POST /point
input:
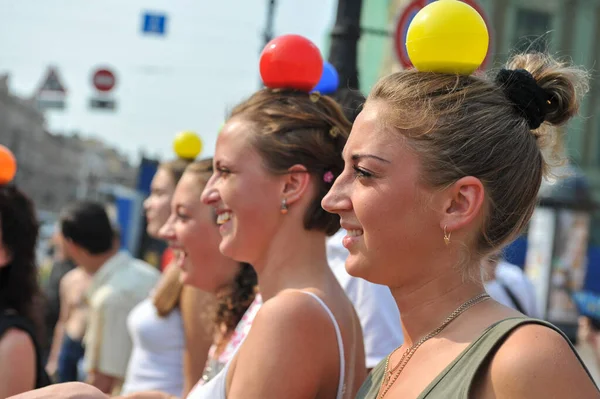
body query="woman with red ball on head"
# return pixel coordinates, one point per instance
(441, 170)
(275, 159)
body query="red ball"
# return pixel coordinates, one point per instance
(291, 62)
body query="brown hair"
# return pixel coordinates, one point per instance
(168, 291)
(466, 126)
(234, 299)
(175, 167)
(294, 127)
(232, 303)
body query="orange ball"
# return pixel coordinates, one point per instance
(8, 165)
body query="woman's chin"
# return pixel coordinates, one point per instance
(227, 248)
(357, 267)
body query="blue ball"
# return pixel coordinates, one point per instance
(330, 80)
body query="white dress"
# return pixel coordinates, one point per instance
(216, 388)
(156, 362)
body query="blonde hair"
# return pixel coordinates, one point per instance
(467, 126)
(168, 292)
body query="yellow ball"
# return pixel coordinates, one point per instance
(187, 145)
(447, 36)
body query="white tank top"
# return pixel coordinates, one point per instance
(156, 362)
(215, 388)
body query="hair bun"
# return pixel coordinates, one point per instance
(528, 98)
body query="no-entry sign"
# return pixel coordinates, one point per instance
(104, 80)
(406, 17)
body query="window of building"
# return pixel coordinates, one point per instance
(532, 30)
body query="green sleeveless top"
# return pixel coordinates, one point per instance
(456, 380)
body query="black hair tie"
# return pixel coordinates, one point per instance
(528, 98)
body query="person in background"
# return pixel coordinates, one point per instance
(588, 334)
(157, 205)
(21, 319)
(67, 345)
(509, 285)
(61, 265)
(374, 303)
(172, 329)
(239, 300)
(193, 230)
(119, 282)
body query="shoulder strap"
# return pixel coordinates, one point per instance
(512, 296)
(460, 375)
(338, 334)
(10, 320)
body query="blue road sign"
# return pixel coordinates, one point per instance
(154, 23)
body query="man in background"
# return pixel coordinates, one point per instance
(508, 284)
(118, 283)
(61, 265)
(67, 345)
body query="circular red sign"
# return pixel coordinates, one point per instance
(409, 12)
(104, 80)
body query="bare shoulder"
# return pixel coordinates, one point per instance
(17, 362)
(72, 276)
(290, 318)
(289, 328)
(537, 361)
(16, 344)
(291, 309)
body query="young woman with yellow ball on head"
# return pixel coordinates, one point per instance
(441, 169)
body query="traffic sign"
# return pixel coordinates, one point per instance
(104, 80)
(154, 23)
(406, 17)
(52, 83)
(107, 104)
(51, 93)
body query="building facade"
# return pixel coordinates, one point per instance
(55, 169)
(567, 28)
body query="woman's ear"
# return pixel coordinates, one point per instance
(463, 203)
(297, 182)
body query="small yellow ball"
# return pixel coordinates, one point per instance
(447, 36)
(187, 145)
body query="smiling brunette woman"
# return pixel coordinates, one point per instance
(442, 170)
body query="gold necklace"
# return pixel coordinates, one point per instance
(407, 355)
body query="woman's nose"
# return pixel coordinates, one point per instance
(167, 232)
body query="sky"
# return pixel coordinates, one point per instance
(186, 80)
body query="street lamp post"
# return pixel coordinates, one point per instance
(268, 32)
(343, 51)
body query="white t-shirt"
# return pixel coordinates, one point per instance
(509, 276)
(374, 304)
